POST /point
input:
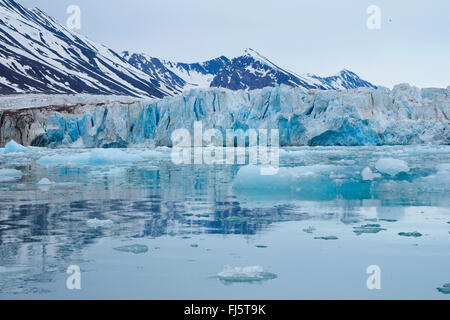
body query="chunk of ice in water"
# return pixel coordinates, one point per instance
(245, 274)
(392, 166)
(368, 175)
(96, 223)
(327, 238)
(45, 182)
(368, 228)
(14, 147)
(68, 160)
(135, 248)
(414, 234)
(440, 180)
(445, 289)
(105, 156)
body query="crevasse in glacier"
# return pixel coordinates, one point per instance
(404, 115)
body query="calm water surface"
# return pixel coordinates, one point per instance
(148, 229)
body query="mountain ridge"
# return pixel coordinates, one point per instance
(248, 71)
(39, 55)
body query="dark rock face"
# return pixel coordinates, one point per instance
(15, 126)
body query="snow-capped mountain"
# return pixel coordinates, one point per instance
(39, 55)
(249, 71)
(182, 75)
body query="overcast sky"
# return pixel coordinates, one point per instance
(304, 36)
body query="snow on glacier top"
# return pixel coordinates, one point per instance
(30, 101)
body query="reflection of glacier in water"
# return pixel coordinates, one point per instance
(194, 220)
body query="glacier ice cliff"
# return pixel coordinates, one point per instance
(365, 116)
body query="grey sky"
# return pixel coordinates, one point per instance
(320, 37)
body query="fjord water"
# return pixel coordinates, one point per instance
(140, 227)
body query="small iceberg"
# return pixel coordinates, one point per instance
(135, 248)
(368, 175)
(414, 234)
(14, 147)
(96, 223)
(45, 182)
(327, 238)
(389, 220)
(368, 228)
(392, 166)
(245, 274)
(445, 289)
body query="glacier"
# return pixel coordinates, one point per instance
(405, 115)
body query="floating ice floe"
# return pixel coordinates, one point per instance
(414, 234)
(135, 248)
(441, 180)
(45, 182)
(245, 274)
(96, 223)
(14, 147)
(445, 289)
(94, 157)
(327, 238)
(392, 166)
(368, 228)
(8, 175)
(368, 175)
